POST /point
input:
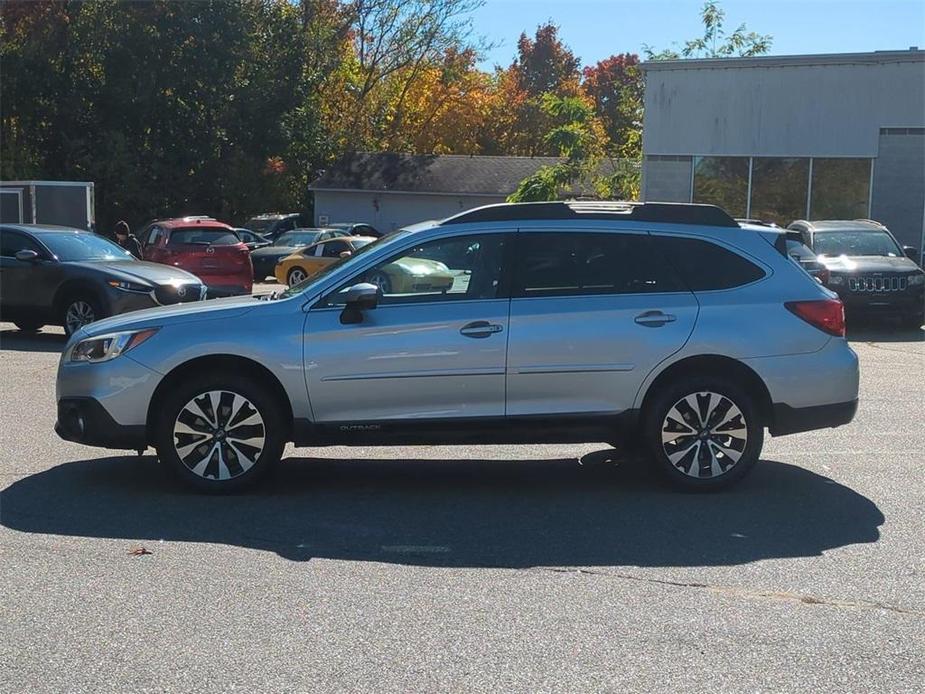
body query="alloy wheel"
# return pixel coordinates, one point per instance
(219, 435)
(295, 276)
(704, 434)
(79, 313)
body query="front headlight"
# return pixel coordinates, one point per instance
(106, 347)
(915, 280)
(130, 286)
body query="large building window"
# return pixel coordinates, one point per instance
(722, 181)
(779, 189)
(841, 189)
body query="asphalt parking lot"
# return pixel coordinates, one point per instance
(515, 569)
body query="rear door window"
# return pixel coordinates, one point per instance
(706, 266)
(571, 263)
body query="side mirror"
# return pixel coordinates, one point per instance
(27, 256)
(345, 254)
(360, 297)
(912, 253)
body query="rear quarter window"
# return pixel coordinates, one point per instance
(706, 266)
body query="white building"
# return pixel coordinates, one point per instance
(391, 190)
(781, 138)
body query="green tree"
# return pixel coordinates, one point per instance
(715, 42)
(578, 138)
(170, 107)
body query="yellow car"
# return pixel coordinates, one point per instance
(410, 274)
(312, 259)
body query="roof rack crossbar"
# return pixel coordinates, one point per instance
(663, 212)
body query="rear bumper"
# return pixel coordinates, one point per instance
(86, 421)
(791, 420)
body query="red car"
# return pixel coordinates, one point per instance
(205, 247)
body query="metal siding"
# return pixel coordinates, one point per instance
(800, 110)
(898, 195)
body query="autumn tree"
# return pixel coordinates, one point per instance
(616, 87)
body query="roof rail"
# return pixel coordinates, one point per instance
(667, 212)
(871, 221)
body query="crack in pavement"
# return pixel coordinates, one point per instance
(744, 592)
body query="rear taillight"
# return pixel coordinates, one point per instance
(826, 314)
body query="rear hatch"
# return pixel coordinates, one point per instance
(208, 250)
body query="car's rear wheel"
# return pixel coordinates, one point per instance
(28, 326)
(703, 433)
(295, 276)
(220, 432)
(80, 310)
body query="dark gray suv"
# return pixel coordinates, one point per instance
(51, 275)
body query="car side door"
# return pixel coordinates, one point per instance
(592, 313)
(434, 348)
(26, 287)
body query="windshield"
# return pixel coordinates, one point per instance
(340, 263)
(359, 243)
(203, 236)
(293, 239)
(83, 246)
(259, 225)
(871, 242)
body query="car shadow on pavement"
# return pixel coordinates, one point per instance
(455, 513)
(19, 341)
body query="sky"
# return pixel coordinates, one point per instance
(597, 29)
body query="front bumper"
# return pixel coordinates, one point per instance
(792, 420)
(86, 421)
(910, 302)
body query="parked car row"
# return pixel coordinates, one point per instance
(69, 277)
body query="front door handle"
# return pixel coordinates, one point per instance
(654, 319)
(480, 328)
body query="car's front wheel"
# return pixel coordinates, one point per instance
(78, 311)
(703, 433)
(220, 432)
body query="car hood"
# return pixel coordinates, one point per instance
(155, 273)
(867, 263)
(213, 309)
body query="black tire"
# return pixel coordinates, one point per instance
(72, 303)
(243, 473)
(703, 461)
(381, 280)
(28, 326)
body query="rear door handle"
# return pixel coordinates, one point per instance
(480, 328)
(654, 319)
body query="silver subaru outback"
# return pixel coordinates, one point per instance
(672, 325)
